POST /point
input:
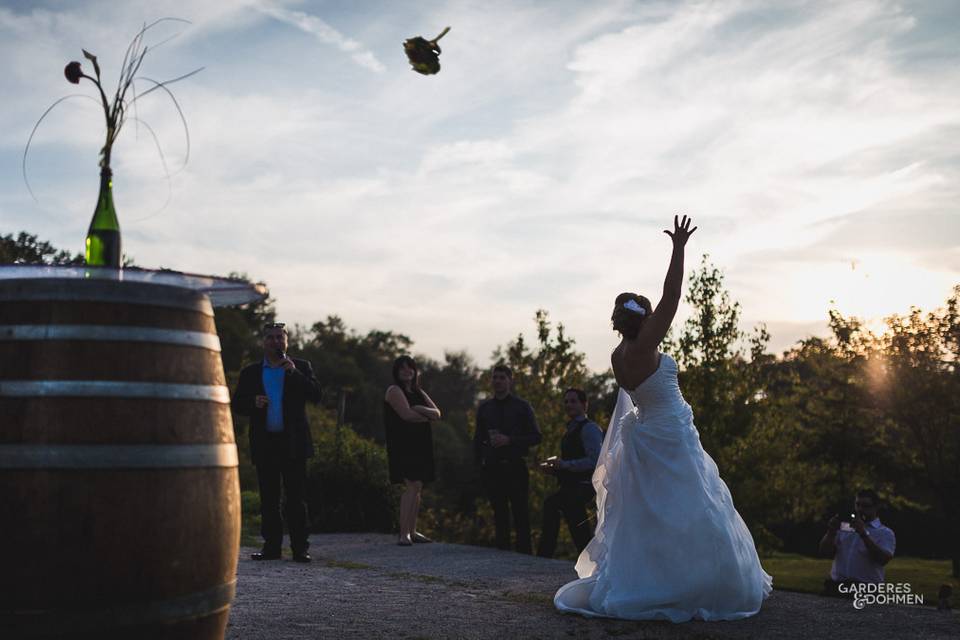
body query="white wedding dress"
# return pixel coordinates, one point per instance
(669, 544)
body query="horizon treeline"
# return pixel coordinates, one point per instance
(794, 435)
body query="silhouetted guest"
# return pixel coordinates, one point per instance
(860, 545)
(943, 597)
(506, 429)
(407, 412)
(579, 451)
(274, 393)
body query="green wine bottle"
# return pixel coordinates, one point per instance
(103, 236)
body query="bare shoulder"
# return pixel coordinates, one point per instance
(630, 351)
(616, 356)
(634, 364)
(617, 362)
(393, 391)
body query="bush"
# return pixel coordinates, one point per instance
(250, 517)
(348, 483)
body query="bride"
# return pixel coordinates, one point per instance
(669, 543)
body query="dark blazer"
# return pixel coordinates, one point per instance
(511, 416)
(299, 386)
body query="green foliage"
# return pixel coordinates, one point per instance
(709, 335)
(358, 364)
(540, 376)
(27, 249)
(239, 330)
(717, 381)
(793, 572)
(916, 384)
(725, 384)
(348, 485)
(794, 436)
(250, 518)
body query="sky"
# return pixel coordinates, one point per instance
(816, 145)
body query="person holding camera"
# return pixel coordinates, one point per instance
(579, 451)
(860, 545)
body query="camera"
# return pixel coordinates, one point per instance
(549, 463)
(845, 522)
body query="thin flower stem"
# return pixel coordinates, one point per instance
(115, 113)
(183, 119)
(26, 149)
(103, 96)
(133, 73)
(166, 82)
(126, 62)
(166, 169)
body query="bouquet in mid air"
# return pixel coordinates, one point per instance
(423, 54)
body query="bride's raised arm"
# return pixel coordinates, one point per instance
(655, 329)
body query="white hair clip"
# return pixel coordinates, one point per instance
(631, 305)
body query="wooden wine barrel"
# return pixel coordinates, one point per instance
(119, 495)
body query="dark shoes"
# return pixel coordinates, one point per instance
(416, 538)
(298, 556)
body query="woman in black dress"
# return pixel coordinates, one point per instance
(407, 413)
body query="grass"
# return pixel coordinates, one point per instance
(345, 564)
(250, 519)
(794, 572)
(419, 577)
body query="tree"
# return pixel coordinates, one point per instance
(27, 249)
(359, 365)
(240, 331)
(540, 375)
(724, 375)
(919, 387)
(717, 379)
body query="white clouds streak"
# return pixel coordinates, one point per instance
(538, 168)
(324, 33)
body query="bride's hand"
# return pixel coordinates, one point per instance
(681, 231)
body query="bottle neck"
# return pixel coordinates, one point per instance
(105, 216)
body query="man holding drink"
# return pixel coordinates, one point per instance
(506, 429)
(274, 393)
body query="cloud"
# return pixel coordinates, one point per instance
(323, 32)
(537, 169)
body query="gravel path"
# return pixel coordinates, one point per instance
(365, 586)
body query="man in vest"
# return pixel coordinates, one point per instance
(579, 451)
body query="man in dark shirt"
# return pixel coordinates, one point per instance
(506, 429)
(579, 451)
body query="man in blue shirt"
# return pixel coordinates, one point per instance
(274, 393)
(579, 451)
(860, 545)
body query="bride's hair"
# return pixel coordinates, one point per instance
(626, 320)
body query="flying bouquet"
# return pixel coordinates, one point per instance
(423, 54)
